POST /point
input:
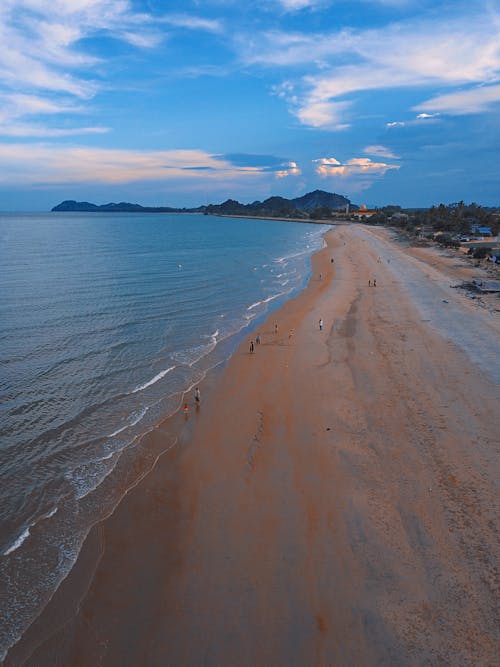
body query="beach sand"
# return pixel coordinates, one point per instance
(332, 502)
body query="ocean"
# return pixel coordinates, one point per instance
(105, 321)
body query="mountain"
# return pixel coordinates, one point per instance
(319, 204)
(320, 199)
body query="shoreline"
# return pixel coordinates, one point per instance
(331, 222)
(317, 510)
(174, 429)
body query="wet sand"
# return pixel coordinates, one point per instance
(333, 501)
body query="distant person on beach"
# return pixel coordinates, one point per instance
(331, 261)
(251, 347)
(276, 328)
(290, 335)
(197, 396)
(257, 339)
(369, 283)
(320, 324)
(374, 282)
(186, 410)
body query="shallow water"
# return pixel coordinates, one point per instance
(105, 319)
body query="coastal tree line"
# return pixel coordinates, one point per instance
(453, 219)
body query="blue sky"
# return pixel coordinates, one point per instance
(188, 103)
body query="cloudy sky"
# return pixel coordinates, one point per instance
(189, 102)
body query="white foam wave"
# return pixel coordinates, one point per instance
(90, 475)
(154, 380)
(254, 305)
(191, 355)
(26, 532)
(17, 542)
(269, 298)
(293, 255)
(118, 431)
(136, 418)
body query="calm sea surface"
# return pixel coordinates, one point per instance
(105, 319)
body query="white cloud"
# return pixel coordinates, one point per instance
(18, 111)
(291, 170)
(327, 161)
(43, 164)
(362, 166)
(192, 22)
(295, 5)
(43, 49)
(323, 114)
(380, 151)
(38, 130)
(475, 100)
(41, 42)
(22, 104)
(444, 52)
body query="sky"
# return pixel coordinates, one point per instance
(188, 103)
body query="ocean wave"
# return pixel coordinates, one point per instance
(294, 255)
(136, 418)
(154, 380)
(87, 477)
(191, 355)
(17, 542)
(267, 300)
(26, 533)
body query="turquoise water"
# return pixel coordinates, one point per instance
(105, 320)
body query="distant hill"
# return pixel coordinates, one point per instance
(318, 204)
(122, 207)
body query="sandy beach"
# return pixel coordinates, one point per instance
(332, 502)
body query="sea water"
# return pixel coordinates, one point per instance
(105, 320)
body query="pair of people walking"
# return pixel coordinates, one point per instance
(197, 402)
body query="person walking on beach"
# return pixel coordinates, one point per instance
(276, 328)
(197, 397)
(369, 283)
(374, 282)
(251, 347)
(186, 411)
(320, 324)
(257, 339)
